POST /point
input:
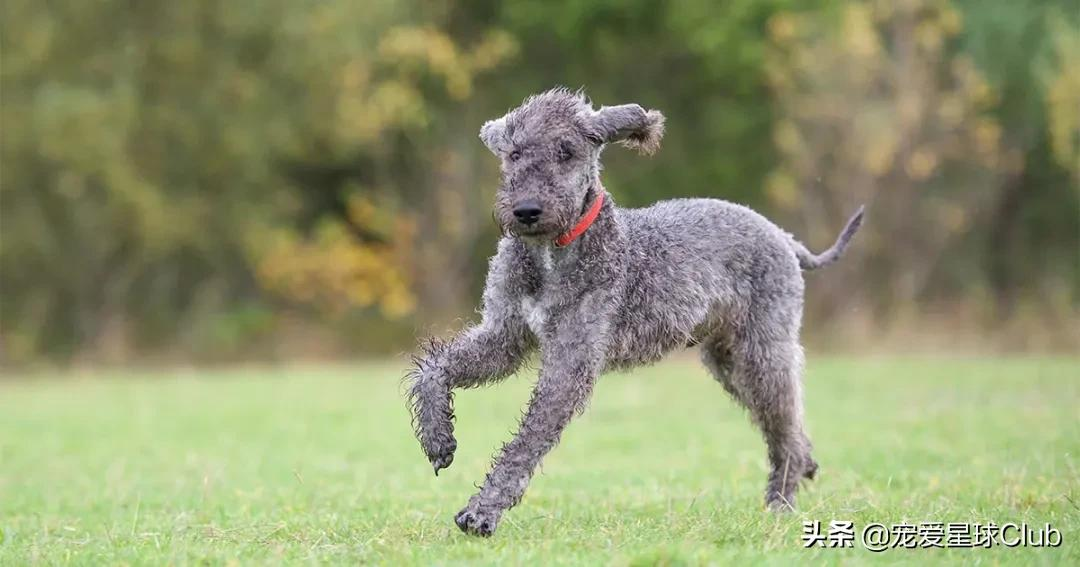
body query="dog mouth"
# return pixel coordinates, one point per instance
(532, 232)
(545, 228)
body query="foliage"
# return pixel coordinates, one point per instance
(170, 165)
(333, 272)
(1063, 95)
(163, 161)
(874, 108)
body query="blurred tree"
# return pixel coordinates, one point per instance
(877, 106)
(698, 60)
(1028, 245)
(1062, 79)
(377, 154)
(195, 173)
(163, 161)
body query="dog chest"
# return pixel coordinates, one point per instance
(534, 314)
(532, 306)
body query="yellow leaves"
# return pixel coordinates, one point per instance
(986, 134)
(397, 302)
(365, 115)
(782, 190)
(858, 32)
(952, 22)
(971, 84)
(786, 136)
(336, 272)
(950, 216)
(910, 108)
(355, 75)
(929, 36)
(361, 210)
(1063, 96)
(872, 118)
(384, 93)
(498, 46)
(428, 47)
(373, 94)
(433, 50)
(782, 27)
(950, 110)
(1063, 100)
(940, 23)
(921, 164)
(878, 153)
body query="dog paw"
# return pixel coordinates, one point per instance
(441, 453)
(477, 520)
(780, 504)
(437, 440)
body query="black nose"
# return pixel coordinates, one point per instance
(528, 211)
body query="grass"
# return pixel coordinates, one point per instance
(319, 466)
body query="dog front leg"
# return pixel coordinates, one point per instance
(565, 384)
(485, 353)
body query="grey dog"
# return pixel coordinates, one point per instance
(595, 287)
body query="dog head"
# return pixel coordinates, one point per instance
(550, 151)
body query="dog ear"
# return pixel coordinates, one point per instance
(492, 134)
(630, 125)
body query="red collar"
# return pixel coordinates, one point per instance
(584, 223)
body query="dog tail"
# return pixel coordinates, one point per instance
(810, 261)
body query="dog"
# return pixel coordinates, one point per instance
(593, 287)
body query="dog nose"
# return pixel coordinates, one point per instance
(528, 211)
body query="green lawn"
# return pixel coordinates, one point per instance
(318, 465)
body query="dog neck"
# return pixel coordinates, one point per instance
(599, 230)
(587, 219)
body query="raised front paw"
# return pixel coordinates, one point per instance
(440, 450)
(478, 520)
(433, 420)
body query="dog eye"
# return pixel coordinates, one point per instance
(514, 155)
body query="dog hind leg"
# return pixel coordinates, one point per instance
(765, 377)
